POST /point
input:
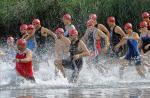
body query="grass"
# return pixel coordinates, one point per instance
(15, 12)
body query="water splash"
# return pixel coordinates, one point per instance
(89, 76)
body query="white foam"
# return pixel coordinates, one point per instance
(88, 75)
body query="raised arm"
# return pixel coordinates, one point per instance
(84, 48)
(120, 31)
(27, 59)
(103, 35)
(46, 32)
(85, 36)
(104, 29)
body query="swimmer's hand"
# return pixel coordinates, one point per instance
(122, 57)
(92, 54)
(126, 37)
(104, 50)
(2, 53)
(75, 57)
(147, 46)
(16, 60)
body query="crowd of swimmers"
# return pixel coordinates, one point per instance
(70, 49)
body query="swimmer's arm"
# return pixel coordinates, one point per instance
(140, 44)
(136, 37)
(120, 31)
(49, 32)
(25, 36)
(28, 58)
(28, 36)
(122, 42)
(103, 35)
(44, 31)
(85, 37)
(104, 29)
(147, 46)
(85, 52)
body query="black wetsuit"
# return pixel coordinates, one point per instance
(90, 41)
(40, 40)
(114, 40)
(70, 63)
(145, 41)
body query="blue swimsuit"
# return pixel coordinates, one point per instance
(31, 44)
(145, 41)
(133, 51)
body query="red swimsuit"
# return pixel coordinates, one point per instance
(98, 45)
(24, 69)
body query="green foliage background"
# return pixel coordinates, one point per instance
(50, 12)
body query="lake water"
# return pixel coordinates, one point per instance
(91, 84)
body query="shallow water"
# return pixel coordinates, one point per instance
(77, 93)
(91, 84)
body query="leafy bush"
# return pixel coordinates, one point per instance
(15, 12)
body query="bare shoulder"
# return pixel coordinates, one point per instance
(135, 34)
(67, 40)
(44, 29)
(81, 43)
(100, 32)
(118, 28)
(28, 51)
(56, 41)
(101, 25)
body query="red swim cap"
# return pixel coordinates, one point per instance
(73, 32)
(111, 19)
(60, 30)
(128, 26)
(30, 27)
(145, 15)
(21, 43)
(67, 17)
(36, 21)
(143, 24)
(93, 16)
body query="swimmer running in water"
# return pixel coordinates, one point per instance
(62, 45)
(145, 37)
(132, 54)
(145, 17)
(116, 34)
(93, 42)
(24, 61)
(77, 50)
(67, 20)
